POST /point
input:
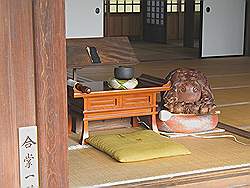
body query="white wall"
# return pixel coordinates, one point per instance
(223, 28)
(82, 20)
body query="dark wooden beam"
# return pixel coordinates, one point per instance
(247, 28)
(51, 102)
(234, 130)
(188, 38)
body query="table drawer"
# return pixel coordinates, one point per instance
(137, 100)
(118, 114)
(101, 103)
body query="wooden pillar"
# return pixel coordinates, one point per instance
(188, 38)
(106, 18)
(247, 37)
(51, 102)
(17, 96)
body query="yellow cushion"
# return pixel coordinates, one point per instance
(137, 146)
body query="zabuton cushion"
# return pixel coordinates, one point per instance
(137, 146)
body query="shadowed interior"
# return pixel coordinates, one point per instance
(229, 80)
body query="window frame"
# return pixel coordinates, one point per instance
(171, 4)
(181, 6)
(108, 5)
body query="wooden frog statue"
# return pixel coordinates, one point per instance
(190, 93)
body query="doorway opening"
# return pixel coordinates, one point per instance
(123, 18)
(157, 25)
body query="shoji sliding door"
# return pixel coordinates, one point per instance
(84, 18)
(223, 23)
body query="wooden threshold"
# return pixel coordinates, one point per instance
(235, 130)
(203, 177)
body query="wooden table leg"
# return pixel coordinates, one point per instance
(85, 132)
(69, 123)
(74, 74)
(134, 122)
(74, 124)
(153, 122)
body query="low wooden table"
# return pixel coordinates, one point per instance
(109, 104)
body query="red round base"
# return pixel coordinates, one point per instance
(188, 123)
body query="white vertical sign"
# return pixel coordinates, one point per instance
(28, 156)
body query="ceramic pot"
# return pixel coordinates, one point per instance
(124, 73)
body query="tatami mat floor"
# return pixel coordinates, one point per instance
(230, 81)
(238, 115)
(90, 167)
(232, 96)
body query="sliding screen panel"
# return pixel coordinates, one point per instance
(223, 23)
(84, 18)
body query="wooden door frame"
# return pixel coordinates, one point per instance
(147, 26)
(50, 84)
(247, 29)
(189, 15)
(17, 97)
(33, 87)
